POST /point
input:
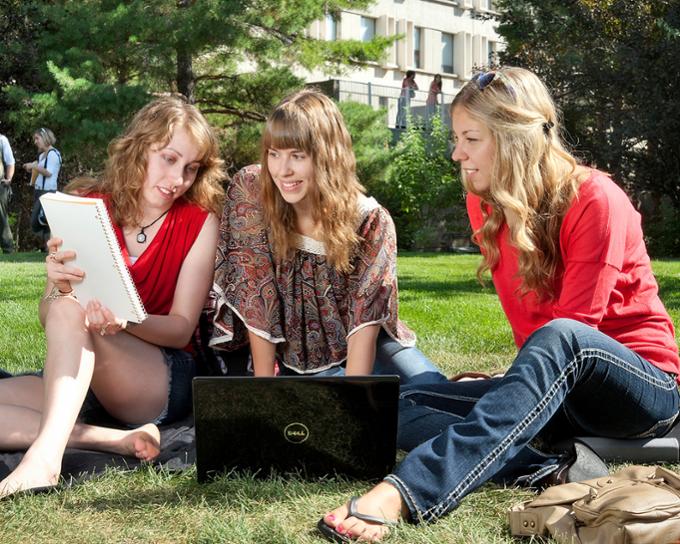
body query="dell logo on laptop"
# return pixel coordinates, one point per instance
(296, 433)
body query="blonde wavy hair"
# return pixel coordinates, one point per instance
(311, 122)
(534, 178)
(153, 127)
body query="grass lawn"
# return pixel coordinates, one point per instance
(460, 325)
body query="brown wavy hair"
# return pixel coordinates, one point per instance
(153, 126)
(534, 178)
(311, 122)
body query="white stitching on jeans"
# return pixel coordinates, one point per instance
(531, 479)
(436, 510)
(398, 483)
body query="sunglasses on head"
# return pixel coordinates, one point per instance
(484, 79)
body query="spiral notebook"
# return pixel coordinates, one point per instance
(85, 227)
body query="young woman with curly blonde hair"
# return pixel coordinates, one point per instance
(597, 354)
(162, 186)
(306, 265)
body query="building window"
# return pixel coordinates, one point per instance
(417, 36)
(367, 29)
(447, 53)
(331, 28)
(491, 53)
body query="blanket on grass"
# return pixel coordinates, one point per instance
(178, 452)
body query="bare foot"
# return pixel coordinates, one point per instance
(383, 501)
(143, 443)
(33, 472)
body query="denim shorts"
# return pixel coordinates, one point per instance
(182, 369)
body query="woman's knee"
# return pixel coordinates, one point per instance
(563, 325)
(64, 312)
(561, 329)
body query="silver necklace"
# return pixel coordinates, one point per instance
(141, 235)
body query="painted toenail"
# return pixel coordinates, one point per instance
(340, 529)
(330, 517)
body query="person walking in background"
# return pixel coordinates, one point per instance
(408, 91)
(433, 93)
(44, 178)
(6, 174)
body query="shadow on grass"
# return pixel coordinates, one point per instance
(234, 490)
(442, 289)
(24, 257)
(669, 290)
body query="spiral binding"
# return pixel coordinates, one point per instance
(122, 269)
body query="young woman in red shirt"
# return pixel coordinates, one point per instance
(163, 187)
(597, 354)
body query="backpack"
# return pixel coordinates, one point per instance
(636, 505)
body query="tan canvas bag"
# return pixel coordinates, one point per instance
(636, 505)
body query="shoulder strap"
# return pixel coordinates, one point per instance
(45, 163)
(2, 156)
(48, 154)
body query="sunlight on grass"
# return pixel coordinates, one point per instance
(459, 324)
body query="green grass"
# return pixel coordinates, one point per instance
(460, 325)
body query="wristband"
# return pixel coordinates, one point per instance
(57, 293)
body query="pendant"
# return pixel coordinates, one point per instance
(141, 238)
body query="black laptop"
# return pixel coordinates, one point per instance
(314, 426)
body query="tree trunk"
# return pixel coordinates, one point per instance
(185, 74)
(185, 70)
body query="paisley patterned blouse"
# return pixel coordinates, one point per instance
(303, 304)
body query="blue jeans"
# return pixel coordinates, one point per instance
(410, 364)
(568, 378)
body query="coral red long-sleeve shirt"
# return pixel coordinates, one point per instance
(605, 279)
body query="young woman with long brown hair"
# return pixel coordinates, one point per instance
(306, 266)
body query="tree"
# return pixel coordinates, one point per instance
(98, 60)
(421, 191)
(371, 139)
(613, 67)
(82, 67)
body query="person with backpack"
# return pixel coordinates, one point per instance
(6, 174)
(44, 178)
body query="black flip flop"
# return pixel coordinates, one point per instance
(331, 534)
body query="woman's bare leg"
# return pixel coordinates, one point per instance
(21, 426)
(68, 371)
(132, 386)
(21, 412)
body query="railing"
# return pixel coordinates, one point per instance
(384, 96)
